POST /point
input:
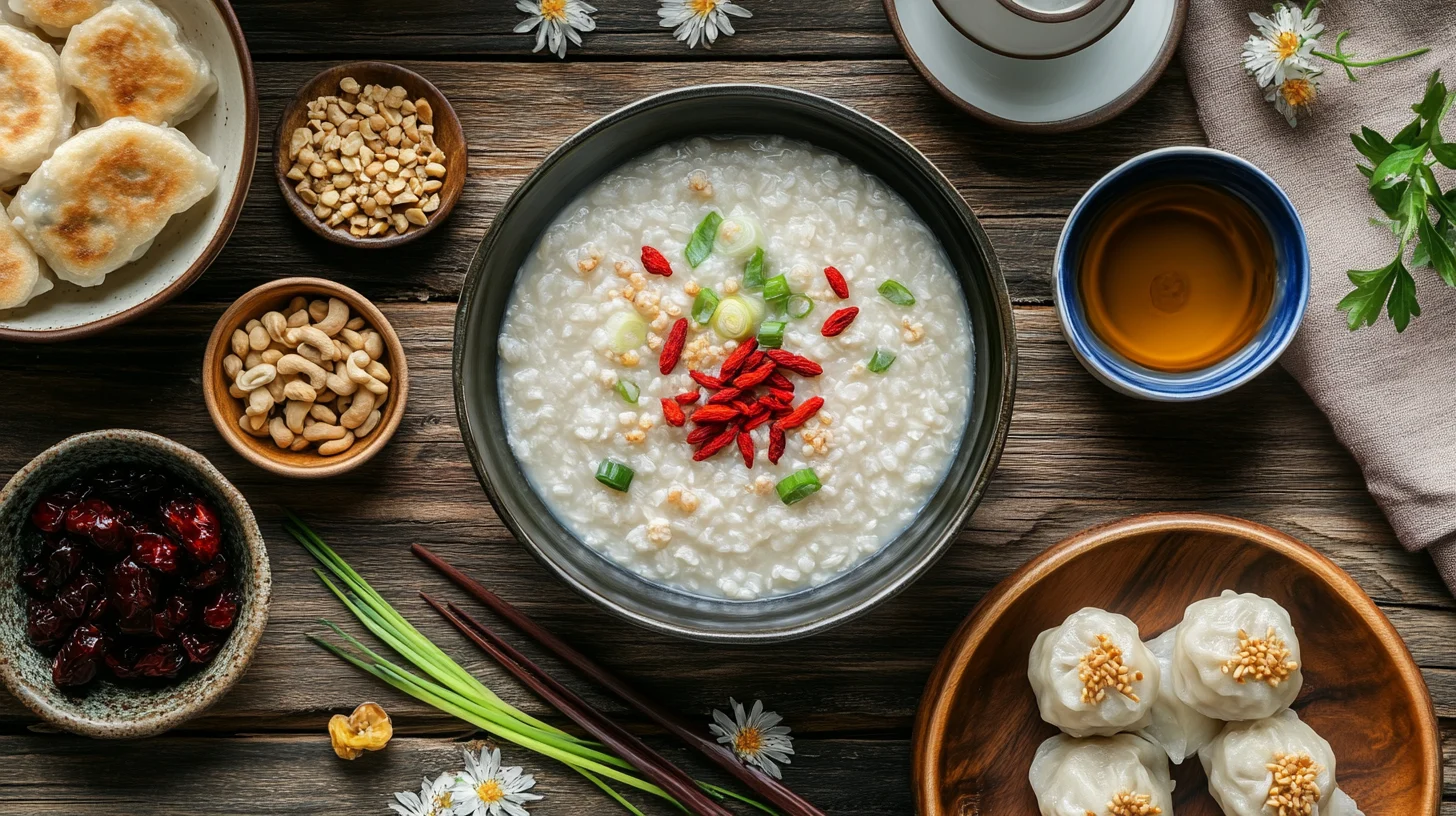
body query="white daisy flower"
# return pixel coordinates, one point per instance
(434, 798)
(556, 22)
(487, 789)
(1285, 41)
(1295, 94)
(695, 21)
(757, 738)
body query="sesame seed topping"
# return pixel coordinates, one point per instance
(1127, 803)
(1102, 668)
(1293, 791)
(1265, 659)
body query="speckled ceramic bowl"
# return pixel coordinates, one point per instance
(107, 710)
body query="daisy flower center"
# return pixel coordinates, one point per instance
(748, 740)
(554, 10)
(1297, 92)
(1286, 44)
(490, 791)
(702, 8)
(444, 803)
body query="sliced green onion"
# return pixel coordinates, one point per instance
(798, 486)
(704, 305)
(895, 292)
(800, 306)
(881, 360)
(776, 288)
(734, 318)
(615, 475)
(739, 234)
(629, 390)
(700, 246)
(625, 331)
(771, 333)
(753, 271)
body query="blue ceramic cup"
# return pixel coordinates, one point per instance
(1222, 171)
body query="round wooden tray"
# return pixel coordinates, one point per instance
(978, 725)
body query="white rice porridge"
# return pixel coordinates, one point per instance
(879, 446)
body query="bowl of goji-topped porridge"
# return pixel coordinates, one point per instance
(735, 362)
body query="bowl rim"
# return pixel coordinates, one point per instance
(997, 412)
(1077, 335)
(248, 631)
(219, 238)
(1045, 18)
(343, 237)
(933, 713)
(399, 382)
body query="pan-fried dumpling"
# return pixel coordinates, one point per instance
(1342, 805)
(1093, 675)
(20, 274)
(1122, 774)
(1236, 657)
(55, 17)
(105, 194)
(1256, 767)
(129, 61)
(37, 109)
(1176, 726)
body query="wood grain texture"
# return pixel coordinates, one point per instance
(979, 725)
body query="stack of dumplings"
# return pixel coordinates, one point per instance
(89, 202)
(1218, 685)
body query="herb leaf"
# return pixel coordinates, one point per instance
(1412, 210)
(1408, 135)
(1395, 165)
(1403, 305)
(1445, 153)
(700, 246)
(1372, 288)
(1442, 257)
(1375, 147)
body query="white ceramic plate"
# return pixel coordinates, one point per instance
(1061, 94)
(226, 130)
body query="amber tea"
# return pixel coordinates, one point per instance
(1177, 277)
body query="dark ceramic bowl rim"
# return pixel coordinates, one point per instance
(975, 459)
(1286, 313)
(246, 634)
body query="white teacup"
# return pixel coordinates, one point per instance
(1034, 29)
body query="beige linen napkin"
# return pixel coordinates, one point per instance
(1390, 397)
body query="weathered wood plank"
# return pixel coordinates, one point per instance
(515, 113)
(1078, 455)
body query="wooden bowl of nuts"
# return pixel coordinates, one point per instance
(370, 154)
(305, 378)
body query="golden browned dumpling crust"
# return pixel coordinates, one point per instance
(128, 61)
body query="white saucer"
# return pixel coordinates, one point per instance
(1054, 95)
(995, 27)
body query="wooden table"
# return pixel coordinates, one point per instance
(1078, 454)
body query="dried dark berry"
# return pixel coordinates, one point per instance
(77, 596)
(195, 525)
(222, 611)
(99, 610)
(77, 661)
(139, 624)
(122, 663)
(199, 647)
(208, 577)
(162, 660)
(98, 521)
(50, 512)
(173, 614)
(44, 625)
(156, 551)
(63, 561)
(131, 587)
(34, 578)
(132, 485)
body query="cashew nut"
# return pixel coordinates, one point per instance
(276, 325)
(282, 435)
(298, 318)
(342, 385)
(320, 431)
(232, 366)
(323, 414)
(369, 425)
(275, 389)
(312, 355)
(355, 323)
(240, 343)
(259, 423)
(373, 344)
(294, 413)
(318, 310)
(246, 423)
(293, 364)
(271, 356)
(337, 446)
(254, 358)
(257, 376)
(354, 366)
(299, 443)
(351, 338)
(358, 410)
(299, 391)
(298, 303)
(250, 325)
(260, 402)
(235, 392)
(377, 370)
(312, 336)
(258, 338)
(335, 319)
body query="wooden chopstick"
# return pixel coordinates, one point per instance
(766, 786)
(653, 765)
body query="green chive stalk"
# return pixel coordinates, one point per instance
(448, 687)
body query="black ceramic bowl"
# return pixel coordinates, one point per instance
(727, 110)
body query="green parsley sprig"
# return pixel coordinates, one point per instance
(1403, 184)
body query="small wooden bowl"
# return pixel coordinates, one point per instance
(978, 724)
(226, 409)
(448, 135)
